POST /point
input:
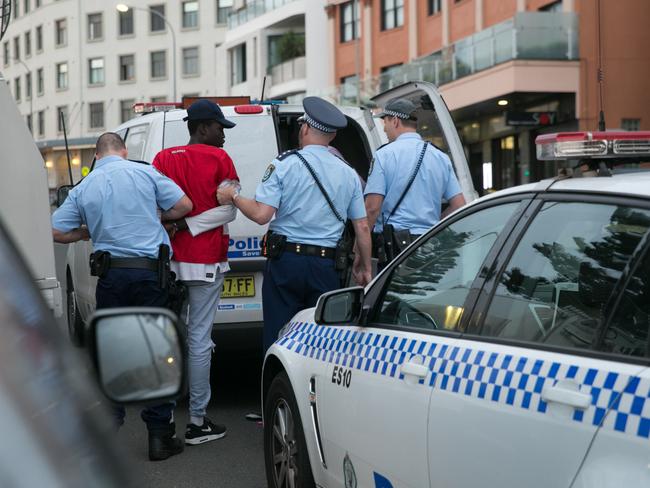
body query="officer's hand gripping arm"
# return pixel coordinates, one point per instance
(181, 208)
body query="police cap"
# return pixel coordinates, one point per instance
(208, 110)
(399, 107)
(322, 115)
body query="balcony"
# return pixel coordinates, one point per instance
(253, 9)
(547, 36)
(288, 77)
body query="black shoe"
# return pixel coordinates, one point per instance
(195, 435)
(163, 445)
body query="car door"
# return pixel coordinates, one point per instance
(375, 401)
(530, 388)
(436, 125)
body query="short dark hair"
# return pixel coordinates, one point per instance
(410, 123)
(109, 142)
(193, 125)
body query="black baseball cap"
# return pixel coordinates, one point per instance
(208, 110)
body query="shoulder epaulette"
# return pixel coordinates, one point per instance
(383, 145)
(138, 161)
(286, 154)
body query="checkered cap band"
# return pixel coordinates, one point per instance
(399, 115)
(317, 125)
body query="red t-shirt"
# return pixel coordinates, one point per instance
(198, 169)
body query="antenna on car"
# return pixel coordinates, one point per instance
(263, 87)
(67, 148)
(601, 75)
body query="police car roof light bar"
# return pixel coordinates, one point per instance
(147, 108)
(249, 109)
(592, 145)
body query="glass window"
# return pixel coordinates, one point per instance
(190, 14)
(28, 43)
(41, 122)
(61, 115)
(392, 14)
(350, 28)
(427, 290)
(562, 273)
(434, 6)
(39, 38)
(223, 9)
(6, 51)
(191, 61)
(17, 91)
(62, 76)
(16, 48)
(96, 71)
(29, 122)
(126, 110)
(553, 7)
(61, 32)
(156, 18)
(135, 141)
(28, 85)
(26, 8)
(95, 30)
(15, 10)
(96, 115)
(159, 64)
(631, 124)
(127, 67)
(40, 81)
(38, 3)
(125, 23)
(238, 64)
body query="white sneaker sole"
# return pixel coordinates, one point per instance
(206, 438)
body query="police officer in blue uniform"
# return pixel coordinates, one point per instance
(118, 203)
(303, 236)
(407, 158)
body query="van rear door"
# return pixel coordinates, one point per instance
(436, 125)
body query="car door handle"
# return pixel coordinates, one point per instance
(566, 396)
(415, 369)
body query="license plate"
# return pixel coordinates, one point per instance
(238, 286)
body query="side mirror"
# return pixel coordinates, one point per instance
(62, 194)
(340, 306)
(138, 354)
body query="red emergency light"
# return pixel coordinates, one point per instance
(596, 145)
(249, 109)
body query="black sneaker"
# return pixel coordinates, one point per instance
(195, 435)
(162, 446)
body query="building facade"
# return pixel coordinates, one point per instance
(508, 69)
(90, 62)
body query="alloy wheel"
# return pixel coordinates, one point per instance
(284, 447)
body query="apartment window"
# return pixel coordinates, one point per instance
(38, 3)
(62, 76)
(125, 23)
(552, 7)
(28, 86)
(14, 8)
(238, 64)
(190, 14)
(631, 124)
(156, 23)
(191, 61)
(39, 38)
(434, 6)
(16, 48)
(223, 9)
(96, 115)
(160, 99)
(41, 122)
(29, 122)
(350, 27)
(26, 8)
(17, 90)
(28, 43)
(158, 64)
(392, 14)
(61, 32)
(127, 67)
(96, 71)
(61, 116)
(95, 30)
(126, 110)
(6, 51)
(40, 81)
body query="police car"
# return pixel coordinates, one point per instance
(509, 346)
(261, 133)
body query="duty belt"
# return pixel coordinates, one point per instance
(135, 263)
(310, 250)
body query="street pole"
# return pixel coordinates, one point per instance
(31, 96)
(125, 8)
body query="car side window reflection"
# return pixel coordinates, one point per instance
(428, 289)
(562, 273)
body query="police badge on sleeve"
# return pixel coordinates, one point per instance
(269, 171)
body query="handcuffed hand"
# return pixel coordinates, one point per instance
(170, 228)
(84, 235)
(225, 194)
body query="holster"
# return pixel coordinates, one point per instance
(344, 256)
(177, 295)
(273, 245)
(402, 239)
(100, 262)
(163, 266)
(389, 239)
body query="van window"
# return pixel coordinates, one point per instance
(136, 137)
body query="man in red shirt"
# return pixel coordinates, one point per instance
(200, 261)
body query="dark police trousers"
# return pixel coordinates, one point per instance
(124, 287)
(292, 283)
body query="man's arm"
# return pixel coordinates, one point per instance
(80, 234)
(374, 202)
(208, 220)
(260, 213)
(362, 271)
(180, 209)
(455, 203)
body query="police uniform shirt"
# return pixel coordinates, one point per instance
(119, 201)
(390, 173)
(303, 214)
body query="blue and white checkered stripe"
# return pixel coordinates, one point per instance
(511, 380)
(318, 125)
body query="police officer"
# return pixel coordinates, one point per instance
(118, 202)
(305, 231)
(389, 198)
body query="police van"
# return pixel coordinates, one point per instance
(262, 132)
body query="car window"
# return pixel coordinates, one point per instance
(136, 137)
(562, 273)
(428, 289)
(627, 333)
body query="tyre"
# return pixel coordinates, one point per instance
(285, 451)
(75, 322)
